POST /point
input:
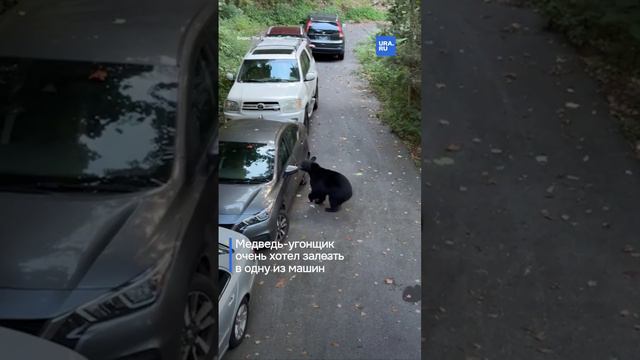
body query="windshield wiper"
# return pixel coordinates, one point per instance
(115, 184)
(241, 181)
(22, 188)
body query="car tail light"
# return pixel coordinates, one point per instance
(340, 33)
(307, 26)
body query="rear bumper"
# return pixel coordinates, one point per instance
(328, 48)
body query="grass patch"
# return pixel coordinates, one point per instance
(607, 34)
(398, 91)
(364, 13)
(232, 45)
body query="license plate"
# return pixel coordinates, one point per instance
(322, 38)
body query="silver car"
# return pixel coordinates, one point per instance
(235, 290)
(259, 176)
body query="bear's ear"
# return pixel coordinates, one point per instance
(313, 159)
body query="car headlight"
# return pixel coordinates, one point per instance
(255, 219)
(231, 106)
(140, 292)
(291, 105)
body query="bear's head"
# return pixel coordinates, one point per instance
(309, 165)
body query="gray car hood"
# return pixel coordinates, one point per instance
(75, 241)
(237, 201)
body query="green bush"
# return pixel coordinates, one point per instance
(611, 28)
(232, 47)
(364, 13)
(395, 86)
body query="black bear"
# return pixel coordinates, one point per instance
(325, 182)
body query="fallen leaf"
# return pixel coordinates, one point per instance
(541, 159)
(571, 105)
(443, 161)
(453, 147)
(281, 282)
(100, 75)
(389, 281)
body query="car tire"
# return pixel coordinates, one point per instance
(315, 105)
(201, 296)
(242, 315)
(341, 56)
(282, 226)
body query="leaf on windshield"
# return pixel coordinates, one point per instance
(99, 75)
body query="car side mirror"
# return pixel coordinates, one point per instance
(230, 76)
(290, 170)
(310, 76)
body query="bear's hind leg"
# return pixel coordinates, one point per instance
(335, 205)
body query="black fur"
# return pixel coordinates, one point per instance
(325, 182)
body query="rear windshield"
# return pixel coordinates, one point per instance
(245, 163)
(66, 121)
(323, 28)
(270, 70)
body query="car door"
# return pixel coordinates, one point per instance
(227, 305)
(295, 141)
(284, 159)
(310, 87)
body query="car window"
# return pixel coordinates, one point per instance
(291, 138)
(73, 121)
(203, 101)
(223, 279)
(323, 28)
(305, 62)
(283, 151)
(269, 70)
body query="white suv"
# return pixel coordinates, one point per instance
(277, 80)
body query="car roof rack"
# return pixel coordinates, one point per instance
(284, 41)
(323, 17)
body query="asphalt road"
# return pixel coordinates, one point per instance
(531, 222)
(358, 308)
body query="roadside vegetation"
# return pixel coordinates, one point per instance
(242, 20)
(607, 33)
(397, 80)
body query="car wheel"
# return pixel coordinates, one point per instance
(199, 319)
(315, 106)
(240, 322)
(282, 226)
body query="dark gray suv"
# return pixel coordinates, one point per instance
(108, 160)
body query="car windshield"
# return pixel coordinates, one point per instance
(270, 70)
(68, 122)
(245, 163)
(323, 28)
